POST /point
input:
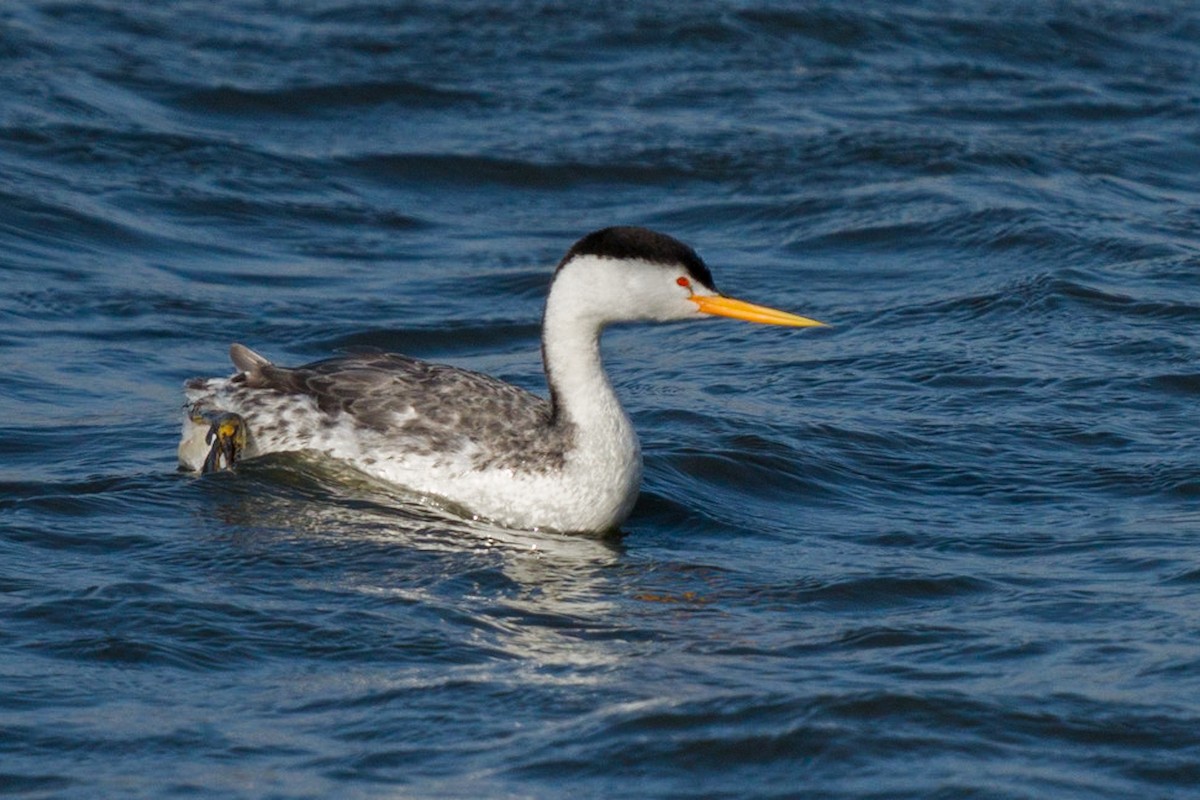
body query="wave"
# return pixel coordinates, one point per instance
(304, 101)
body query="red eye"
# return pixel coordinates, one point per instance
(684, 282)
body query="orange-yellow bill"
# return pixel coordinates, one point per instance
(721, 306)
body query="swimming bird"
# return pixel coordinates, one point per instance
(570, 462)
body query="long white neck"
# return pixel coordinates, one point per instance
(582, 393)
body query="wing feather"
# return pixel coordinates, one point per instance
(443, 408)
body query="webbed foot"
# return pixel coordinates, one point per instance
(227, 435)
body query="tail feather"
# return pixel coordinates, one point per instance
(247, 361)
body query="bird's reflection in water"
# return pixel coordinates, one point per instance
(544, 598)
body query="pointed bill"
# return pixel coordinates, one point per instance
(722, 306)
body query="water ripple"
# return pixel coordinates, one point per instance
(944, 547)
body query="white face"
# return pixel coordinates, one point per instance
(615, 290)
(590, 292)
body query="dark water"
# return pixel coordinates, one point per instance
(949, 547)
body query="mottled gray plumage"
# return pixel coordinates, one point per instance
(431, 408)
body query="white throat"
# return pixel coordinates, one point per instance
(583, 395)
(571, 332)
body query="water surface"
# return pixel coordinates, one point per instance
(945, 548)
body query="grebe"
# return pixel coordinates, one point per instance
(569, 463)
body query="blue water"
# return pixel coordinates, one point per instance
(948, 547)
